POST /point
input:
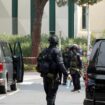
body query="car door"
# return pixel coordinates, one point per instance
(18, 62)
(7, 61)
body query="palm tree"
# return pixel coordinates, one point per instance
(89, 2)
(36, 29)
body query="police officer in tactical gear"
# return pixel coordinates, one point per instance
(52, 80)
(75, 67)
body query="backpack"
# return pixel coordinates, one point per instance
(74, 60)
(43, 62)
(76, 63)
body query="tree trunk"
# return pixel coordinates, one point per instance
(36, 29)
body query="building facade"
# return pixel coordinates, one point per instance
(15, 18)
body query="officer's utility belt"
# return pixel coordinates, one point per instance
(74, 68)
(50, 76)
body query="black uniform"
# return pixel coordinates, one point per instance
(66, 60)
(51, 84)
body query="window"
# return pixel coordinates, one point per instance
(84, 17)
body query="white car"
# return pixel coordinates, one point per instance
(11, 66)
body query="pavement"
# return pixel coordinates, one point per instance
(31, 75)
(31, 92)
(64, 94)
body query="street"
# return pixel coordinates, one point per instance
(31, 92)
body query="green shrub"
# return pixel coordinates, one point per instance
(44, 41)
(70, 41)
(65, 42)
(29, 67)
(24, 40)
(26, 44)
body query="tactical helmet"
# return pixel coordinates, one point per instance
(74, 47)
(53, 39)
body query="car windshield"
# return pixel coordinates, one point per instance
(101, 56)
(98, 54)
(94, 50)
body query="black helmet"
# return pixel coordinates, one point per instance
(53, 39)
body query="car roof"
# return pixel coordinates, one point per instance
(99, 40)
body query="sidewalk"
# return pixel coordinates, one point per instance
(64, 94)
(66, 97)
(31, 75)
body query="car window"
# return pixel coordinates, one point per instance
(1, 54)
(94, 50)
(101, 56)
(6, 50)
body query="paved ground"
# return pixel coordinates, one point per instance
(31, 92)
(64, 95)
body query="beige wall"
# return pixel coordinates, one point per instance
(97, 17)
(61, 20)
(45, 20)
(5, 16)
(77, 20)
(24, 17)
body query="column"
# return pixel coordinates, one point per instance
(70, 19)
(52, 15)
(15, 17)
